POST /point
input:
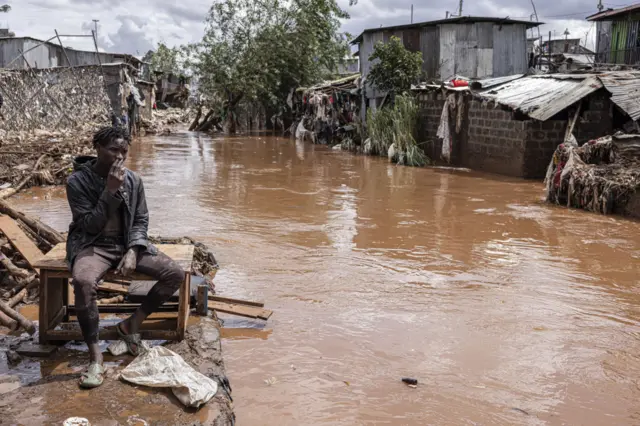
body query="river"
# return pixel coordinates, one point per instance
(506, 310)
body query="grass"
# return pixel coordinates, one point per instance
(397, 125)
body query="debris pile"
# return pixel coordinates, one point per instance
(22, 242)
(40, 158)
(164, 121)
(600, 176)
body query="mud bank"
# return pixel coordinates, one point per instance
(45, 392)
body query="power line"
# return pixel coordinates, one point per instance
(557, 16)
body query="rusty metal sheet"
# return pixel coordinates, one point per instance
(542, 97)
(625, 91)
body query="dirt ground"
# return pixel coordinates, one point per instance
(55, 395)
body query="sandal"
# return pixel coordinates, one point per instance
(133, 341)
(92, 377)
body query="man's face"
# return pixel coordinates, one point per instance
(116, 149)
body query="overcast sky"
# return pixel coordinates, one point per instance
(135, 26)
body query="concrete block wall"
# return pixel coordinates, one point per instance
(495, 141)
(429, 113)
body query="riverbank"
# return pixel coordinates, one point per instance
(46, 392)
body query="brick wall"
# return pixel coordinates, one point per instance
(429, 113)
(493, 140)
(496, 142)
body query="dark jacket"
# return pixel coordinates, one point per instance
(91, 202)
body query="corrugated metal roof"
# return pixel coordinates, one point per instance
(625, 91)
(486, 83)
(455, 20)
(579, 58)
(610, 13)
(542, 97)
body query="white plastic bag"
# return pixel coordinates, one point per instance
(163, 368)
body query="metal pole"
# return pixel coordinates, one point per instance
(460, 8)
(69, 62)
(412, 14)
(95, 43)
(95, 23)
(549, 54)
(535, 12)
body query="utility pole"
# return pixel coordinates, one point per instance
(95, 24)
(447, 15)
(460, 8)
(412, 14)
(535, 12)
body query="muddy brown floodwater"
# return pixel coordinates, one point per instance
(506, 310)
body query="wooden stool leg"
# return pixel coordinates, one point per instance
(53, 297)
(183, 305)
(43, 323)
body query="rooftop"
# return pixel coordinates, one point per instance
(456, 20)
(126, 56)
(608, 14)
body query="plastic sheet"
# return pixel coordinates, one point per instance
(163, 368)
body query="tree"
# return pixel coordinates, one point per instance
(396, 68)
(164, 59)
(258, 51)
(5, 8)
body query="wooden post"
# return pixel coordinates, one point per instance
(202, 306)
(183, 305)
(95, 43)
(69, 62)
(549, 54)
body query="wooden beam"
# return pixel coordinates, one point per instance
(71, 67)
(114, 288)
(20, 241)
(235, 301)
(240, 310)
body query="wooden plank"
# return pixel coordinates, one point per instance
(202, 308)
(57, 319)
(125, 308)
(43, 322)
(110, 334)
(20, 240)
(183, 308)
(114, 288)
(182, 254)
(235, 301)
(240, 310)
(35, 350)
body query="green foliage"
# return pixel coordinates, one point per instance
(259, 50)
(5, 8)
(164, 59)
(396, 68)
(396, 125)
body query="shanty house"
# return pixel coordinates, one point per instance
(564, 45)
(474, 47)
(617, 32)
(40, 54)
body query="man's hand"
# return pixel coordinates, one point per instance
(128, 263)
(116, 176)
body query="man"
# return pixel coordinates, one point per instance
(109, 230)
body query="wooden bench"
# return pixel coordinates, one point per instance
(55, 308)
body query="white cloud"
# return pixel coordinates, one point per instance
(134, 26)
